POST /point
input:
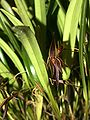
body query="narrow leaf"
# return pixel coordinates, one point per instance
(6, 6)
(81, 57)
(60, 17)
(40, 15)
(68, 20)
(14, 58)
(28, 40)
(12, 18)
(74, 24)
(23, 12)
(10, 35)
(40, 11)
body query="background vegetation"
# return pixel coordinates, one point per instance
(38, 79)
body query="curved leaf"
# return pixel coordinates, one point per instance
(10, 35)
(81, 56)
(68, 20)
(23, 12)
(60, 17)
(40, 11)
(14, 58)
(28, 40)
(71, 22)
(6, 6)
(12, 18)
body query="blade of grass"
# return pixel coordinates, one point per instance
(12, 18)
(10, 35)
(40, 11)
(61, 20)
(81, 57)
(68, 20)
(30, 114)
(23, 12)
(28, 40)
(74, 24)
(6, 6)
(60, 17)
(29, 67)
(4, 19)
(5, 72)
(30, 15)
(2, 58)
(89, 57)
(39, 103)
(40, 15)
(14, 58)
(71, 22)
(10, 116)
(16, 10)
(1, 97)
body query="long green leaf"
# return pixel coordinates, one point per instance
(5, 72)
(40, 15)
(29, 67)
(6, 6)
(74, 23)
(60, 17)
(4, 20)
(14, 58)
(28, 40)
(39, 103)
(68, 20)
(12, 18)
(81, 57)
(23, 12)
(40, 11)
(2, 58)
(10, 35)
(71, 22)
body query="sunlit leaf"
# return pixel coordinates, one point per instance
(60, 18)
(28, 40)
(14, 58)
(23, 12)
(12, 18)
(6, 6)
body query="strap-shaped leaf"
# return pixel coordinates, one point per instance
(68, 20)
(28, 40)
(10, 35)
(61, 20)
(81, 56)
(23, 12)
(6, 6)
(14, 59)
(12, 18)
(71, 22)
(74, 23)
(60, 17)
(40, 11)
(40, 15)
(5, 72)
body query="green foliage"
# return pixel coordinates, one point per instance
(38, 79)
